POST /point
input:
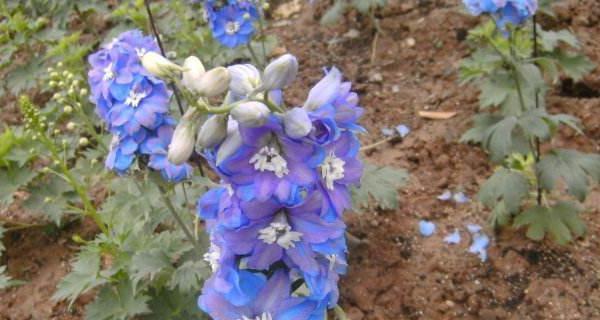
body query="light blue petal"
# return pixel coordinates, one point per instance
(453, 238)
(426, 228)
(447, 195)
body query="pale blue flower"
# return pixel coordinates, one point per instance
(460, 197)
(447, 195)
(479, 246)
(453, 238)
(402, 130)
(426, 228)
(473, 228)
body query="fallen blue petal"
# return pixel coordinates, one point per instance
(480, 245)
(473, 228)
(426, 228)
(402, 130)
(460, 198)
(387, 132)
(453, 238)
(447, 195)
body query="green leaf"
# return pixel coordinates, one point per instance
(573, 167)
(83, 277)
(561, 222)
(7, 140)
(6, 281)
(12, 180)
(334, 13)
(498, 138)
(48, 198)
(380, 183)
(189, 276)
(507, 186)
(481, 123)
(148, 264)
(550, 39)
(574, 65)
(118, 302)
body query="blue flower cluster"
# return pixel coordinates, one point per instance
(133, 104)
(277, 236)
(233, 23)
(514, 12)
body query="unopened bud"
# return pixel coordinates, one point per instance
(83, 92)
(184, 137)
(281, 72)
(71, 126)
(212, 132)
(84, 141)
(214, 82)
(251, 114)
(194, 69)
(296, 123)
(68, 109)
(158, 65)
(245, 78)
(231, 144)
(325, 91)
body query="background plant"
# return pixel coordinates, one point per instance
(513, 68)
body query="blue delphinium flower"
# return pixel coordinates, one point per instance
(232, 24)
(286, 184)
(133, 104)
(515, 12)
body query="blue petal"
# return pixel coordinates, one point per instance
(426, 228)
(460, 197)
(402, 130)
(453, 238)
(447, 195)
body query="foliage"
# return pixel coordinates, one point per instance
(512, 71)
(379, 184)
(339, 7)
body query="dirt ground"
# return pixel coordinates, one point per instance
(398, 274)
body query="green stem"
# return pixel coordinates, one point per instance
(339, 313)
(254, 56)
(261, 26)
(178, 219)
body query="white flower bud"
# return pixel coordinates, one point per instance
(194, 69)
(324, 91)
(212, 132)
(71, 126)
(296, 123)
(245, 78)
(251, 114)
(214, 82)
(280, 73)
(184, 137)
(84, 141)
(231, 144)
(158, 65)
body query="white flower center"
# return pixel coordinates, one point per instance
(213, 256)
(232, 27)
(332, 258)
(264, 316)
(109, 74)
(135, 97)
(280, 232)
(332, 169)
(140, 52)
(269, 159)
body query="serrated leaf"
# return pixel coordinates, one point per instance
(189, 276)
(380, 183)
(575, 66)
(572, 166)
(534, 124)
(12, 180)
(6, 281)
(48, 198)
(506, 186)
(118, 302)
(498, 138)
(84, 276)
(561, 222)
(7, 140)
(481, 123)
(550, 39)
(148, 264)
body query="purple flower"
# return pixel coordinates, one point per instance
(515, 12)
(277, 233)
(269, 299)
(156, 147)
(233, 24)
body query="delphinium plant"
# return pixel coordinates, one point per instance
(275, 223)
(513, 59)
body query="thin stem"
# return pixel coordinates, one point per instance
(339, 313)
(261, 25)
(537, 105)
(162, 51)
(253, 54)
(180, 222)
(378, 143)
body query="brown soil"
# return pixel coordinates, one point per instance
(398, 274)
